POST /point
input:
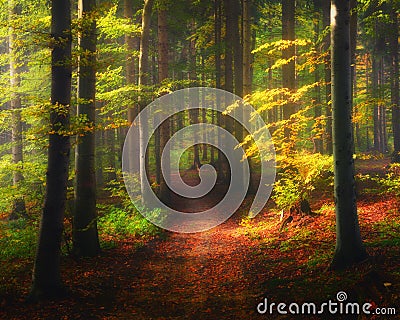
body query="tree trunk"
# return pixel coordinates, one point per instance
(353, 45)
(46, 277)
(382, 106)
(18, 206)
(326, 18)
(246, 48)
(394, 88)
(349, 246)
(143, 81)
(204, 115)
(85, 235)
(318, 143)
(218, 76)
(165, 126)
(228, 62)
(288, 69)
(133, 109)
(194, 113)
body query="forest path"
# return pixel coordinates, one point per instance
(204, 275)
(222, 273)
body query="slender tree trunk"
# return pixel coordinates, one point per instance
(133, 109)
(394, 88)
(46, 277)
(109, 154)
(382, 107)
(378, 143)
(246, 48)
(204, 111)
(18, 207)
(85, 235)
(100, 146)
(143, 81)
(349, 246)
(229, 39)
(130, 59)
(237, 51)
(162, 75)
(318, 143)
(218, 76)
(353, 45)
(328, 111)
(194, 113)
(288, 69)
(228, 64)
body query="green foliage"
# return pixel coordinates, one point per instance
(299, 175)
(18, 239)
(31, 188)
(122, 220)
(386, 234)
(390, 183)
(118, 223)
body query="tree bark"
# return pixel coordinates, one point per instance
(349, 247)
(85, 235)
(143, 81)
(46, 277)
(353, 45)
(394, 88)
(194, 113)
(246, 48)
(162, 75)
(318, 143)
(326, 18)
(18, 206)
(132, 45)
(218, 77)
(288, 69)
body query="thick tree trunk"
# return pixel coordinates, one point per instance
(349, 246)
(165, 126)
(18, 207)
(85, 235)
(46, 271)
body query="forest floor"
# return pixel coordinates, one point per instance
(225, 272)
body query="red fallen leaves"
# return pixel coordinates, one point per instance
(218, 274)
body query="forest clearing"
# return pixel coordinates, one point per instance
(224, 159)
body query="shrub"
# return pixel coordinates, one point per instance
(299, 175)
